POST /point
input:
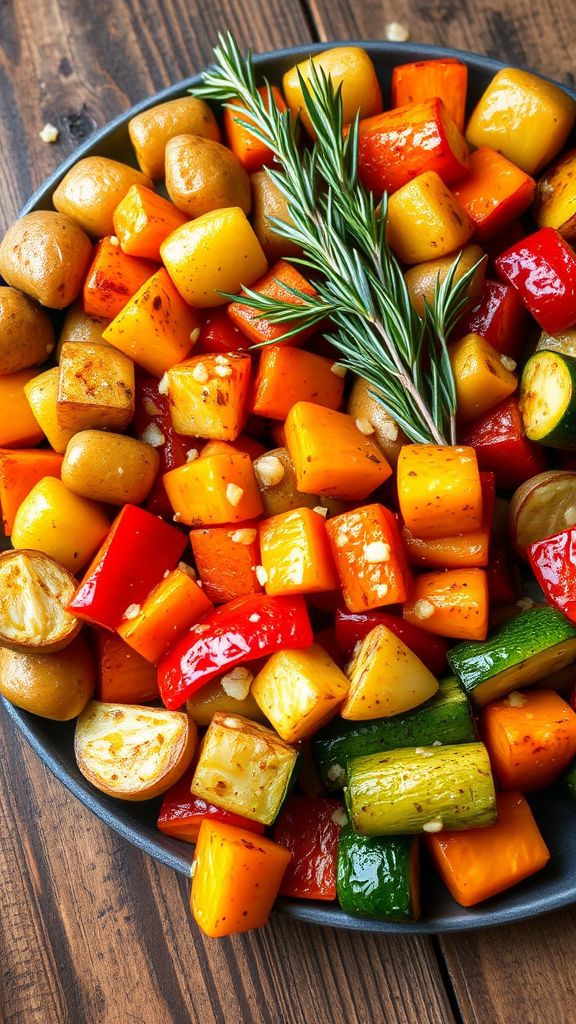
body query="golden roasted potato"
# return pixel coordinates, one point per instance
(213, 697)
(26, 332)
(555, 200)
(109, 467)
(202, 175)
(42, 395)
(367, 410)
(421, 279)
(34, 592)
(152, 129)
(268, 201)
(80, 326)
(276, 480)
(55, 686)
(46, 255)
(133, 752)
(95, 388)
(91, 190)
(61, 524)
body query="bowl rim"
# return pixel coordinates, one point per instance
(116, 815)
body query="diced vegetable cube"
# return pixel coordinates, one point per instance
(531, 738)
(60, 523)
(19, 472)
(386, 678)
(209, 395)
(226, 560)
(453, 603)
(379, 876)
(367, 548)
(213, 490)
(296, 554)
(299, 691)
(95, 387)
(112, 279)
(175, 604)
(350, 68)
(142, 220)
(542, 268)
(287, 375)
(124, 676)
(426, 221)
(494, 192)
(276, 284)
(439, 489)
(481, 375)
(310, 827)
(42, 395)
(421, 81)
(18, 425)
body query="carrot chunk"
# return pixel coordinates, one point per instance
(226, 560)
(112, 279)
(276, 284)
(288, 375)
(452, 603)
(143, 219)
(531, 738)
(370, 558)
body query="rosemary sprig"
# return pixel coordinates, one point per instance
(341, 230)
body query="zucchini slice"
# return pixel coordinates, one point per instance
(445, 718)
(524, 650)
(548, 399)
(378, 876)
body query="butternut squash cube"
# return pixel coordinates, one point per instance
(481, 376)
(439, 489)
(386, 678)
(299, 691)
(209, 395)
(95, 387)
(244, 768)
(213, 490)
(295, 554)
(42, 395)
(425, 220)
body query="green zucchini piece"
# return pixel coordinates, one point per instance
(421, 789)
(548, 398)
(524, 650)
(378, 876)
(445, 718)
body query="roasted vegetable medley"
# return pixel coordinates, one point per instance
(287, 421)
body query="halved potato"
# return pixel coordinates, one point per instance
(541, 507)
(34, 592)
(133, 752)
(56, 686)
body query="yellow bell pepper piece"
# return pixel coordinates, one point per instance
(386, 678)
(42, 395)
(524, 117)
(299, 691)
(555, 200)
(348, 66)
(425, 220)
(482, 375)
(62, 524)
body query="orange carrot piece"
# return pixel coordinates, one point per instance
(112, 279)
(480, 862)
(240, 444)
(288, 375)
(452, 603)
(20, 471)
(18, 426)
(124, 676)
(531, 738)
(237, 876)
(256, 327)
(424, 80)
(156, 328)
(175, 604)
(464, 550)
(252, 153)
(214, 490)
(296, 553)
(331, 455)
(367, 548)
(494, 192)
(226, 561)
(143, 219)
(439, 489)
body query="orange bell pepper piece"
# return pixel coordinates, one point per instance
(18, 425)
(20, 471)
(214, 490)
(237, 876)
(124, 676)
(288, 375)
(464, 550)
(439, 489)
(112, 279)
(175, 604)
(226, 561)
(452, 603)
(255, 326)
(531, 738)
(446, 78)
(370, 558)
(252, 153)
(143, 219)
(478, 863)
(296, 554)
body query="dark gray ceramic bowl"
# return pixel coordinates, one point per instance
(552, 888)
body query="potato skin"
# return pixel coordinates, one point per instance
(26, 332)
(202, 175)
(421, 279)
(268, 201)
(46, 256)
(109, 467)
(151, 130)
(80, 326)
(91, 190)
(363, 406)
(56, 686)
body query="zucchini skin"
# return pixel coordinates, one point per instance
(563, 433)
(514, 654)
(378, 876)
(406, 791)
(445, 718)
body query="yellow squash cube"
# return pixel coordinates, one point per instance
(60, 523)
(42, 395)
(482, 375)
(209, 395)
(386, 678)
(555, 200)
(524, 117)
(425, 220)
(299, 691)
(348, 66)
(95, 387)
(244, 768)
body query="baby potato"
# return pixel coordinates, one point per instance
(133, 752)
(55, 686)
(80, 326)
(34, 593)
(91, 190)
(152, 129)
(268, 201)
(364, 407)
(421, 280)
(202, 175)
(276, 481)
(26, 332)
(46, 255)
(109, 467)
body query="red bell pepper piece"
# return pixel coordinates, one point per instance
(139, 549)
(354, 626)
(542, 268)
(499, 317)
(553, 562)
(153, 408)
(310, 828)
(239, 631)
(218, 334)
(501, 445)
(181, 814)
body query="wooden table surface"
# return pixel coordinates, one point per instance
(91, 932)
